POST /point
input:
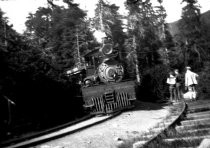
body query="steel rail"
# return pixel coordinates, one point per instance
(168, 126)
(189, 129)
(55, 132)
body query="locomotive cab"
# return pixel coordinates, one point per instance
(92, 61)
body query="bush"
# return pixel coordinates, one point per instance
(153, 84)
(204, 82)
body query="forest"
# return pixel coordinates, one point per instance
(35, 91)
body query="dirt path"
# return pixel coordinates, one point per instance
(112, 133)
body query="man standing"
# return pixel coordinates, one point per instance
(191, 81)
(171, 80)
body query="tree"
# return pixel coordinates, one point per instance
(109, 20)
(144, 29)
(146, 36)
(57, 31)
(190, 28)
(165, 37)
(32, 72)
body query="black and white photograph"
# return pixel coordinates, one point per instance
(104, 73)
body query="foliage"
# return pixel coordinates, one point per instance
(146, 32)
(147, 41)
(63, 31)
(153, 85)
(192, 44)
(204, 82)
(33, 65)
(111, 20)
(190, 28)
(31, 73)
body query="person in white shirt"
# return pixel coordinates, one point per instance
(191, 81)
(171, 80)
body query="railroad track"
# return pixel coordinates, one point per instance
(56, 132)
(188, 131)
(187, 126)
(45, 136)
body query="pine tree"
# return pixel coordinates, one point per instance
(109, 20)
(145, 28)
(147, 33)
(60, 33)
(190, 28)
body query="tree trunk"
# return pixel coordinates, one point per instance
(136, 61)
(195, 49)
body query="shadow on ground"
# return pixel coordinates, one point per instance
(147, 106)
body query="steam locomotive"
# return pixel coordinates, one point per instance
(104, 88)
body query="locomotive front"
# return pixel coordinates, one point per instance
(105, 90)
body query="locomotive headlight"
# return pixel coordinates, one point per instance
(110, 73)
(87, 82)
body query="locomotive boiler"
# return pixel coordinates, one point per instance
(104, 88)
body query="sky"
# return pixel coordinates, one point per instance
(18, 10)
